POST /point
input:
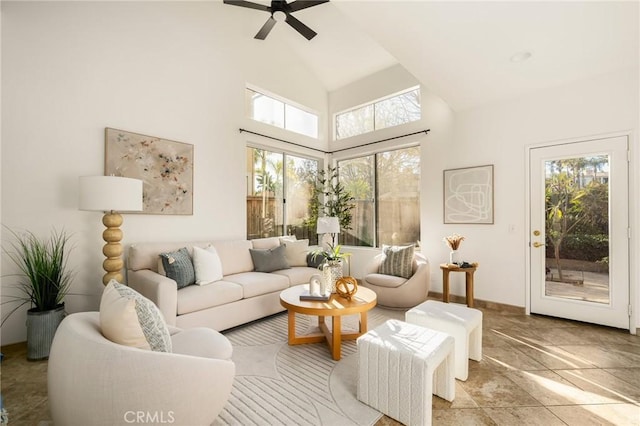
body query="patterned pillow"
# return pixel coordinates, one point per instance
(269, 260)
(179, 267)
(128, 318)
(398, 261)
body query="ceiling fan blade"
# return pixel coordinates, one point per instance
(303, 4)
(266, 28)
(307, 32)
(248, 4)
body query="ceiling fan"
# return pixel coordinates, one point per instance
(283, 7)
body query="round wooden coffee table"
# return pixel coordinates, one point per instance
(363, 301)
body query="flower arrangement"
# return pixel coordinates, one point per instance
(453, 241)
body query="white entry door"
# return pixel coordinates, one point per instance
(579, 231)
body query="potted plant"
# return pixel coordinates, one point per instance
(332, 266)
(43, 282)
(330, 198)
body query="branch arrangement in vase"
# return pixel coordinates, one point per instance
(454, 241)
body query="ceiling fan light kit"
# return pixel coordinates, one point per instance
(277, 9)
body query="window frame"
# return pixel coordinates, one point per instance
(376, 205)
(373, 104)
(286, 102)
(285, 180)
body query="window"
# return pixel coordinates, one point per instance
(387, 112)
(386, 188)
(278, 113)
(278, 192)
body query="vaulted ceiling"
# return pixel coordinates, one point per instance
(462, 51)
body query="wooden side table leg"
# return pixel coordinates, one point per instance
(363, 322)
(336, 337)
(445, 285)
(469, 285)
(292, 327)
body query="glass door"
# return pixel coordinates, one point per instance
(579, 231)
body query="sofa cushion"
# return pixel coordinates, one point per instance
(383, 280)
(295, 252)
(207, 265)
(128, 318)
(269, 260)
(179, 267)
(266, 243)
(145, 255)
(298, 275)
(196, 298)
(258, 283)
(398, 261)
(234, 256)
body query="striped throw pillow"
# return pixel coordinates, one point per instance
(398, 261)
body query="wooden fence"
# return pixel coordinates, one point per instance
(399, 222)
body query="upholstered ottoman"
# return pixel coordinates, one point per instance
(461, 322)
(400, 366)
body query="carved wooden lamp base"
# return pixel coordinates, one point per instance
(113, 264)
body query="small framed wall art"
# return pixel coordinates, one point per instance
(165, 167)
(468, 195)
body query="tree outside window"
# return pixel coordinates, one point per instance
(279, 188)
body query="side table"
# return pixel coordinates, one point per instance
(449, 267)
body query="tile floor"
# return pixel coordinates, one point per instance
(535, 371)
(539, 370)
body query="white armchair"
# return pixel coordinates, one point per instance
(93, 381)
(398, 292)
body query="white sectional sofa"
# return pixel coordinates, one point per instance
(241, 296)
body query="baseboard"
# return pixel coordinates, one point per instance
(479, 303)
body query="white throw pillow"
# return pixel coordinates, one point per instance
(128, 318)
(296, 252)
(207, 264)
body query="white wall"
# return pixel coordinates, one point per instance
(498, 134)
(173, 69)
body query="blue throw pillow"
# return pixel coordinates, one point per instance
(179, 267)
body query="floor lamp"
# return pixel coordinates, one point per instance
(111, 194)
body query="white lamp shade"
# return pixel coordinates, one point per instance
(328, 225)
(105, 193)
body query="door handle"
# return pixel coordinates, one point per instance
(537, 244)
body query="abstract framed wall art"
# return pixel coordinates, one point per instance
(165, 167)
(468, 195)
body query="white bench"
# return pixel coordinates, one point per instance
(461, 322)
(400, 366)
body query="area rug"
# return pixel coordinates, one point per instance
(278, 384)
